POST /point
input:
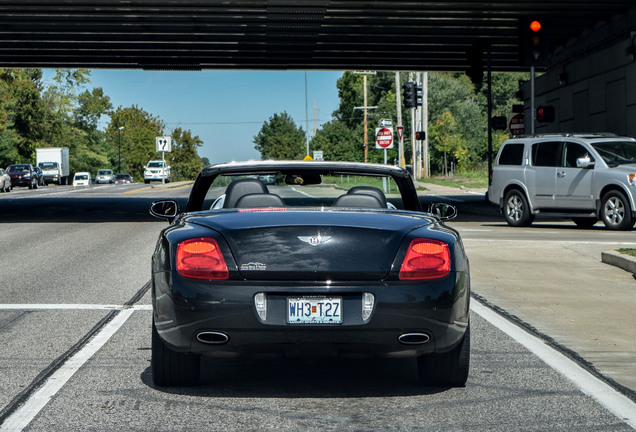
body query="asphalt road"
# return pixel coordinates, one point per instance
(75, 331)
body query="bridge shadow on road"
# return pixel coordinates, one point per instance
(79, 210)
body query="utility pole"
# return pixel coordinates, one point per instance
(398, 103)
(425, 158)
(365, 108)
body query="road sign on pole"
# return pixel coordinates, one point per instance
(516, 125)
(384, 138)
(163, 144)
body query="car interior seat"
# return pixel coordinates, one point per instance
(357, 201)
(257, 200)
(240, 187)
(369, 190)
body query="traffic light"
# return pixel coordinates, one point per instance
(545, 114)
(420, 135)
(409, 93)
(499, 123)
(475, 57)
(533, 41)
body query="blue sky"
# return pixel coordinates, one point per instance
(226, 109)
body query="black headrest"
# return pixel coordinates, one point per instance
(357, 201)
(240, 187)
(259, 200)
(369, 190)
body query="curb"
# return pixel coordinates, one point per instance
(618, 259)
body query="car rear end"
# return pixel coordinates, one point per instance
(310, 284)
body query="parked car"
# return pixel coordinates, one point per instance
(82, 179)
(40, 176)
(157, 170)
(5, 181)
(105, 176)
(123, 179)
(586, 177)
(306, 270)
(23, 175)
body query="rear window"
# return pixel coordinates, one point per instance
(512, 154)
(547, 154)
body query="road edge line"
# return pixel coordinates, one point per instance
(21, 418)
(607, 396)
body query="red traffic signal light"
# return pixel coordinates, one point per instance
(535, 26)
(545, 114)
(420, 135)
(533, 42)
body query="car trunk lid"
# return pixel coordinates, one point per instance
(313, 245)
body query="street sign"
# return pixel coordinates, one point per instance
(163, 144)
(318, 155)
(400, 132)
(386, 123)
(384, 138)
(516, 125)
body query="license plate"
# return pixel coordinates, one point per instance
(314, 310)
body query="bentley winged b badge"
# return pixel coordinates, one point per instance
(315, 240)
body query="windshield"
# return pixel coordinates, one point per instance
(48, 165)
(81, 177)
(104, 172)
(616, 152)
(321, 191)
(155, 164)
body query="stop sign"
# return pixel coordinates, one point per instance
(384, 138)
(516, 125)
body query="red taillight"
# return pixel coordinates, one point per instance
(201, 258)
(426, 259)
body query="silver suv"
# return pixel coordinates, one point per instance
(586, 177)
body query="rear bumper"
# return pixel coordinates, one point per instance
(21, 181)
(438, 310)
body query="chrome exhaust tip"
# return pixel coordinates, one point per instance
(413, 338)
(213, 338)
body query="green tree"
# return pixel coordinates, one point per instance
(280, 138)
(184, 160)
(338, 142)
(137, 138)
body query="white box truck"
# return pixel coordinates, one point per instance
(53, 161)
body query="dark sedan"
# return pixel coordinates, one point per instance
(335, 259)
(23, 175)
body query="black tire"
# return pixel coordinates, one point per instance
(616, 213)
(448, 369)
(516, 210)
(584, 222)
(172, 368)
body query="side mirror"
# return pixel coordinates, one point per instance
(166, 209)
(584, 162)
(443, 211)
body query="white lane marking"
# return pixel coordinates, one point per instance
(62, 306)
(302, 192)
(561, 242)
(616, 403)
(27, 412)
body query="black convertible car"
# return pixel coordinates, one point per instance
(308, 259)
